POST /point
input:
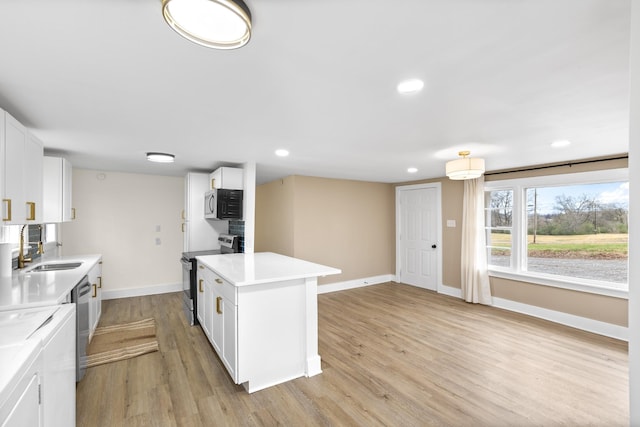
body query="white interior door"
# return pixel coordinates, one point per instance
(418, 235)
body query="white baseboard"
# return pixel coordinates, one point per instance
(449, 290)
(138, 292)
(357, 283)
(578, 322)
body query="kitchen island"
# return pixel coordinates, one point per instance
(260, 313)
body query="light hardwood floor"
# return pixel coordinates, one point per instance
(392, 355)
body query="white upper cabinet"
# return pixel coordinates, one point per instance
(227, 178)
(56, 196)
(32, 173)
(21, 176)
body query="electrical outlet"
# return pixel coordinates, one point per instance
(158, 242)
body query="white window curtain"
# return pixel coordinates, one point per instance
(475, 276)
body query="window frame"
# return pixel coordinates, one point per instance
(518, 271)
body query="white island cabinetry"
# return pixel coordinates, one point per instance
(264, 315)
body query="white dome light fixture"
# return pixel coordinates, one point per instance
(220, 24)
(465, 168)
(161, 157)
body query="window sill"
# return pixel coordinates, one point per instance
(587, 286)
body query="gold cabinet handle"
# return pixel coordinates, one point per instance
(219, 281)
(73, 213)
(201, 266)
(200, 285)
(182, 214)
(100, 281)
(32, 211)
(218, 305)
(213, 183)
(8, 202)
(183, 227)
(95, 291)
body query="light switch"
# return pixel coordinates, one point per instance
(157, 228)
(451, 223)
(158, 241)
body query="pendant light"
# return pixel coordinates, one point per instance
(465, 168)
(220, 24)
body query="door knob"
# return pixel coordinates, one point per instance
(433, 246)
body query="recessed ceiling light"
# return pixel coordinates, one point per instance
(282, 152)
(412, 170)
(561, 143)
(410, 86)
(160, 157)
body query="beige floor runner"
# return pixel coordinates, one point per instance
(120, 342)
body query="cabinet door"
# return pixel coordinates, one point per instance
(201, 300)
(13, 206)
(99, 292)
(56, 190)
(229, 332)
(32, 178)
(95, 304)
(228, 178)
(26, 411)
(213, 320)
(68, 212)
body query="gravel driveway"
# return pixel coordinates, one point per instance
(609, 270)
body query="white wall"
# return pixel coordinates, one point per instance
(117, 215)
(634, 220)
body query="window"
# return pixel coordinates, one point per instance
(565, 230)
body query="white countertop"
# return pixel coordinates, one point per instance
(263, 267)
(26, 289)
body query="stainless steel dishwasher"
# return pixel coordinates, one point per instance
(80, 296)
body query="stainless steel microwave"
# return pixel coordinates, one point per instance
(223, 204)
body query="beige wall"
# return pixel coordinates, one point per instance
(117, 215)
(345, 224)
(274, 217)
(592, 306)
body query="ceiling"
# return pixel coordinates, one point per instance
(104, 81)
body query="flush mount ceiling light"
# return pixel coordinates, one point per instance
(160, 157)
(561, 143)
(220, 24)
(410, 86)
(465, 168)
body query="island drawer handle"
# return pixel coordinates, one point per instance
(218, 308)
(200, 285)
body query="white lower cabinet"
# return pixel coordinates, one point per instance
(95, 303)
(220, 316)
(23, 406)
(229, 329)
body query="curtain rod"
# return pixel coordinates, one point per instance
(535, 168)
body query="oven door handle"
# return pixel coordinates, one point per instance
(186, 264)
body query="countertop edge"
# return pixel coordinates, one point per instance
(322, 270)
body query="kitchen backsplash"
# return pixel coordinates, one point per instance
(236, 227)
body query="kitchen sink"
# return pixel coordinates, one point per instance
(56, 266)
